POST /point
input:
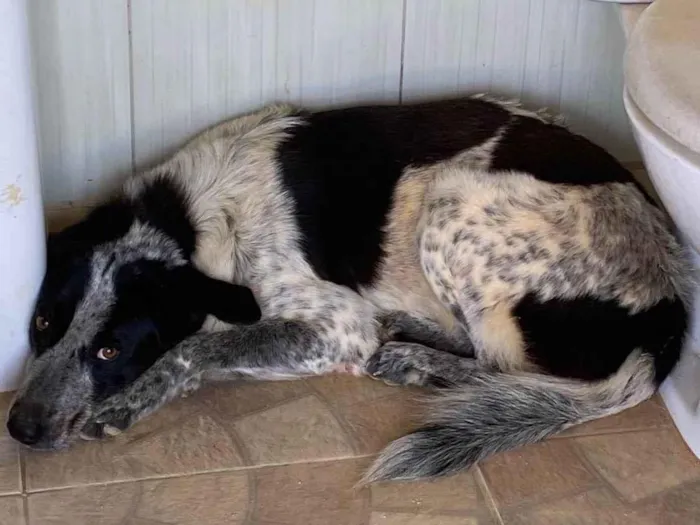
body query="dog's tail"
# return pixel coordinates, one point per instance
(496, 412)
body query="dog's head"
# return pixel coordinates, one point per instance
(119, 291)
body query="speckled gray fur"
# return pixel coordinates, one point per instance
(58, 378)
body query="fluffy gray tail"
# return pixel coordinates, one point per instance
(496, 412)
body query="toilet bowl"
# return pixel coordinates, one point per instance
(22, 240)
(662, 100)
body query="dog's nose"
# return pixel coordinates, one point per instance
(24, 423)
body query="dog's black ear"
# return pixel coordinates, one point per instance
(228, 302)
(105, 223)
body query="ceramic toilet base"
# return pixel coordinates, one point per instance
(681, 390)
(675, 173)
(684, 409)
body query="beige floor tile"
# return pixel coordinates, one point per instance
(11, 510)
(211, 499)
(656, 479)
(232, 400)
(222, 426)
(396, 518)
(311, 494)
(648, 415)
(594, 507)
(10, 482)
(342, 390)
(373, 425)
(678, 506)
(301, 430)
(458, 493)
(180, 438)
(535, 473)
(373, 412)
(640, 464)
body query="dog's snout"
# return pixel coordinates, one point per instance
(24, 423)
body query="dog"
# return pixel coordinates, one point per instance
(468, 244)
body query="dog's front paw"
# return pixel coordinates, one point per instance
(397, 364)
(111, 418)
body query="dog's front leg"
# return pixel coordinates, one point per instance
(406, 327)
(402, 363)
(272, 348)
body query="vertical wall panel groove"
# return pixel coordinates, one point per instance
(197, 62)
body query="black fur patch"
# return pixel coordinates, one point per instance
(342, 166)
(587, 338)
(150, 316)
(164, 206)
(227, 302)
(61, 290)
(157, 308)
(552, 153)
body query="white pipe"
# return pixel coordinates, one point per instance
(22, 243)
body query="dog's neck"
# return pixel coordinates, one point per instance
(224, 203)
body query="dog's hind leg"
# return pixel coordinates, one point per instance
(269, 349)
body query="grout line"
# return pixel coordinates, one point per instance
(242, 469)
(271, 406)
(593, 469)
(241, 449)
(252, 503)
(25, 508)
(486, 492)
(365, 494)
(403, 50)
(610, 432)
(22, 471)
(520, 507)
(660, 494)
(343, 423)
(23, 484)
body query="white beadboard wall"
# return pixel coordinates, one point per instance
(81, 63)
(562, 54)
(120, 82)
(196, 62)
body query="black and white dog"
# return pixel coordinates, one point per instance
(467, 244)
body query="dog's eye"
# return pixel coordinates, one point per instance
(107, 353)
(41, 323)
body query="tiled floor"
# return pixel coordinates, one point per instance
(290, 454)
